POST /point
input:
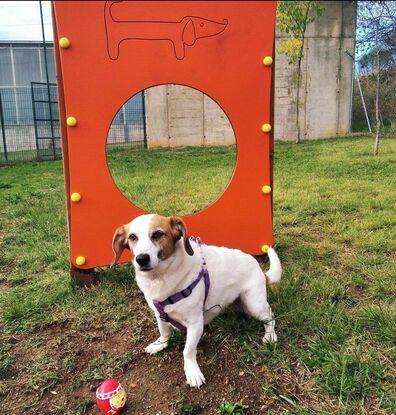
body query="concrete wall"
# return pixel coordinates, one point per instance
(326, 78)
(180, 116)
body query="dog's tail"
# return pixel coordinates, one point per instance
(273, 275)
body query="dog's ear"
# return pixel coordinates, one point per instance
(179, 230)
(120, 242)
(188, 35)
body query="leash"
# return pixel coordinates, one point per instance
(181, 295)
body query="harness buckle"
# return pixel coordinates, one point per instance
(186, 292)
(164, 317)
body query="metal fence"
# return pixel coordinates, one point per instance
(129, 125)
(28, 133)
(46, 120)
(17, 125)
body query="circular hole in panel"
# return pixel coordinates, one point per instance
(171, 150)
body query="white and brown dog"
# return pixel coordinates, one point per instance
(187, 284)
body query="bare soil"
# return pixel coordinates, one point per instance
(154, 384)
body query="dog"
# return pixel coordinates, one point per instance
(187, 283)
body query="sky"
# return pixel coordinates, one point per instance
(20, 20)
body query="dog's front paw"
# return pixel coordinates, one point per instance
(194, 376)
(270, 337)
(155, 347)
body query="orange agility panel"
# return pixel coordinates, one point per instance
(107, 52)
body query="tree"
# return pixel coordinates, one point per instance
(293, 18)
(375, 38)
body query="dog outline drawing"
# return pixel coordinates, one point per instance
(182, 33)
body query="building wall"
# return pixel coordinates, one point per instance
(178, 116)
(20, 64)
(23, 62)
(326, 78)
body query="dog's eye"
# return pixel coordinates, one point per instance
(133, 237)
(157, 235)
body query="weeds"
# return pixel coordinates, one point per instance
(228, 408)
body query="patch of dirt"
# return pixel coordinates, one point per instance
(160, 379)
(4, 283)
(58, 385)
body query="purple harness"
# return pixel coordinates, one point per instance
(160, 305)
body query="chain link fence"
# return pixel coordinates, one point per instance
(128, 128)
(17, 125)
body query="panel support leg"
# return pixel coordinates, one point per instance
(84, 277)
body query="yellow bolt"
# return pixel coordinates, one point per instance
(266, 128)
(266, 189)
(264, 248)
(64, 42)
(267, 61)
(75, 197)
(71, 121)
(80, 260)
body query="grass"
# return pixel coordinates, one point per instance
(166, 181)
(22, 156)
(335, 227)
(106, 366)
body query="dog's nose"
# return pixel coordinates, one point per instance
(143, 259)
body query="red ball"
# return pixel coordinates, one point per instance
(111, 397)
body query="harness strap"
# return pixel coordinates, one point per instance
(160, 305)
